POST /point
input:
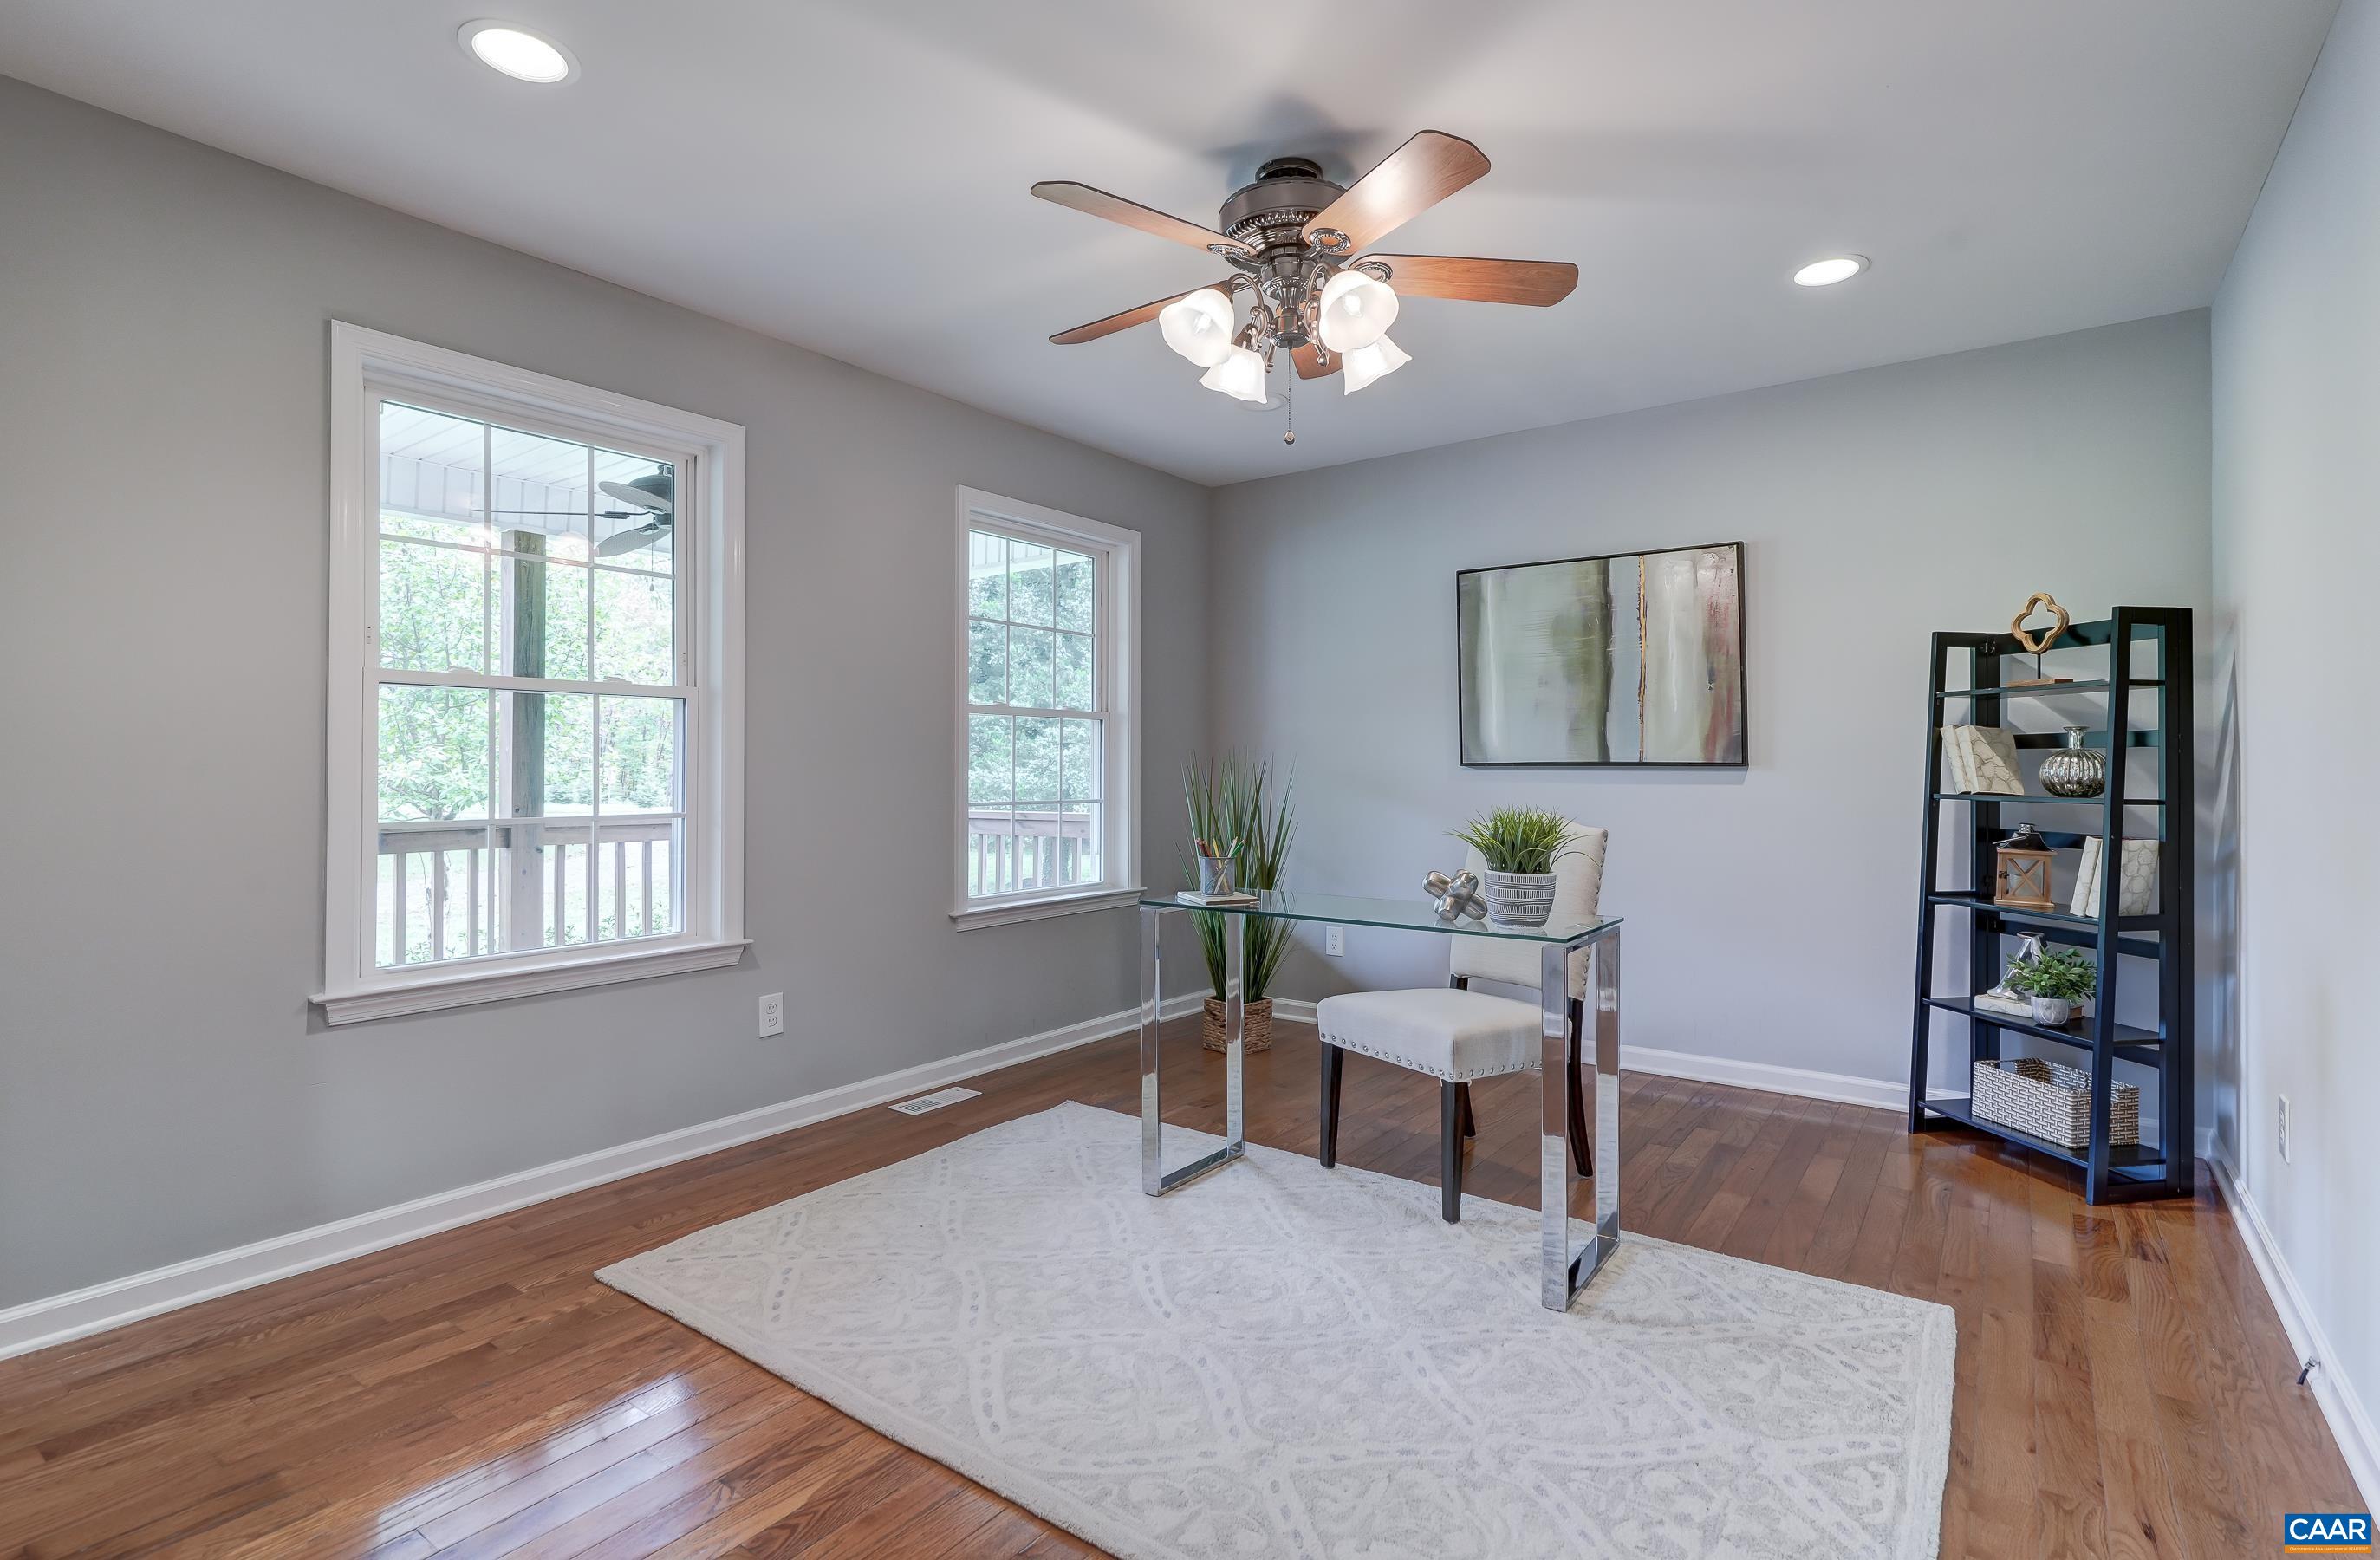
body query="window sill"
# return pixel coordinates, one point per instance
(458, 989)
(1004, 913)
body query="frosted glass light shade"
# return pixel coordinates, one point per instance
(1241, 375)
(1376, 361)
(1199, 326)
(1356, 310)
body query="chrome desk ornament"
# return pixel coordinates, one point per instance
(2074, 771)
(1457, 897)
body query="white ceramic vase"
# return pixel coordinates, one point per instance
(2052, 1012)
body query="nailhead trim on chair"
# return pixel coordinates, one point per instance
(1412, 1066)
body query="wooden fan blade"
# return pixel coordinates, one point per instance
(1408, 182)
(1308, 359)
(1115, 208)
(1533, 282)
(1127, 319)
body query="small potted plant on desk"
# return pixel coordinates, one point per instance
(1519, 846)
(1236, 806)
(2055, 983)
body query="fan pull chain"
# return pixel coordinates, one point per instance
(1289, 405)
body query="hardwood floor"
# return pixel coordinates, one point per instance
(2124, 1388)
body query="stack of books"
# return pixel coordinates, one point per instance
(1980, 761)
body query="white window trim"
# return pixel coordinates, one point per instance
(353, 988)
(1118, 671)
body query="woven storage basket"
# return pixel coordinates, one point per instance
(2052, 1102)
(1256, 1026)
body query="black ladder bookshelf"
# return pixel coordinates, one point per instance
(2111, 1173)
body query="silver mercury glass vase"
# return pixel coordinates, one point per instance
(2074, 770)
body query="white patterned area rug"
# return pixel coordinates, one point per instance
(1283, 1360)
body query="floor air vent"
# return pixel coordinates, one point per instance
(935, 1101)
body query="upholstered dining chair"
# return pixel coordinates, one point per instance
(1456, 1034)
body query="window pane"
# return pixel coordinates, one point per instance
(1077, 593)
(640, 755)
(434, 607)
(635, 635)
(1036, 760)
(1074, 671)
(432, 470)
(990, 853)
(1032, 656)
(635, 877)
(987, 663)
(433, 753)
(1028, 583)
(635, 510)
(551, 738)
(433, 897)
(538, 485)
(989, 775)
(987, 574)
(556, 876)
(542, 626)
(1079, 851)
(1079, 773)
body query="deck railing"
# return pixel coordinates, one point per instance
(462, 891)
(1014, 852)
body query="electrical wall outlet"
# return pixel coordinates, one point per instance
(1335, 941)
(2284, 1141)
(772, 1014)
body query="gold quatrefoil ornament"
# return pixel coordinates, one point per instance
(2033, 644)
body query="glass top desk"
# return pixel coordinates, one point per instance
(1566, 1270)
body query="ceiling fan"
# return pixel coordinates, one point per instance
(648, 497)
(1294, 241)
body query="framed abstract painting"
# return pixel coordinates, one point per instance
(1636, 658)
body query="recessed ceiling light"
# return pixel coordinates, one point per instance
(518, 52)
(1826, 273)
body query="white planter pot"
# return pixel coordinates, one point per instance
(1519, 898)
(2052, 1011)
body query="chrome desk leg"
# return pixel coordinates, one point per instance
(1565, 1273)
(1235, 1016)
(1152, 989)
(1155, 1179)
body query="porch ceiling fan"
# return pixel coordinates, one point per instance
(1301, 282)
(650, 496)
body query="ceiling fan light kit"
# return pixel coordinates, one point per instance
(1199, 325)
(1378, 360)
(1293, 240)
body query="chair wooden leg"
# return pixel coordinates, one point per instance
(1469, 1127)
(1582, 1146)
(1330, 1059)
(1450, 1152)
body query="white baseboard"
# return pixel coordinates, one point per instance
(2342, 1406)
(59, 1318)
(1881, 1094)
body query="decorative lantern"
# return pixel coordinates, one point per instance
(2022, 881)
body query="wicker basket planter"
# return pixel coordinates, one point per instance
(2052, 1102)
(1255, 1025)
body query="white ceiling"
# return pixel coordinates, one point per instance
(851, 175)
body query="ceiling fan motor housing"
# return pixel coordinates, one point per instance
(1271, 215)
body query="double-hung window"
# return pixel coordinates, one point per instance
(1046, 687)
(535, 722)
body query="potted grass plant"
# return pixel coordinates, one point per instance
(2054, 983)
(1236, 801)
(1519, 846)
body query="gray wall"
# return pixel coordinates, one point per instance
(165, 1089)
(1875, 507)
(2297, 492)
